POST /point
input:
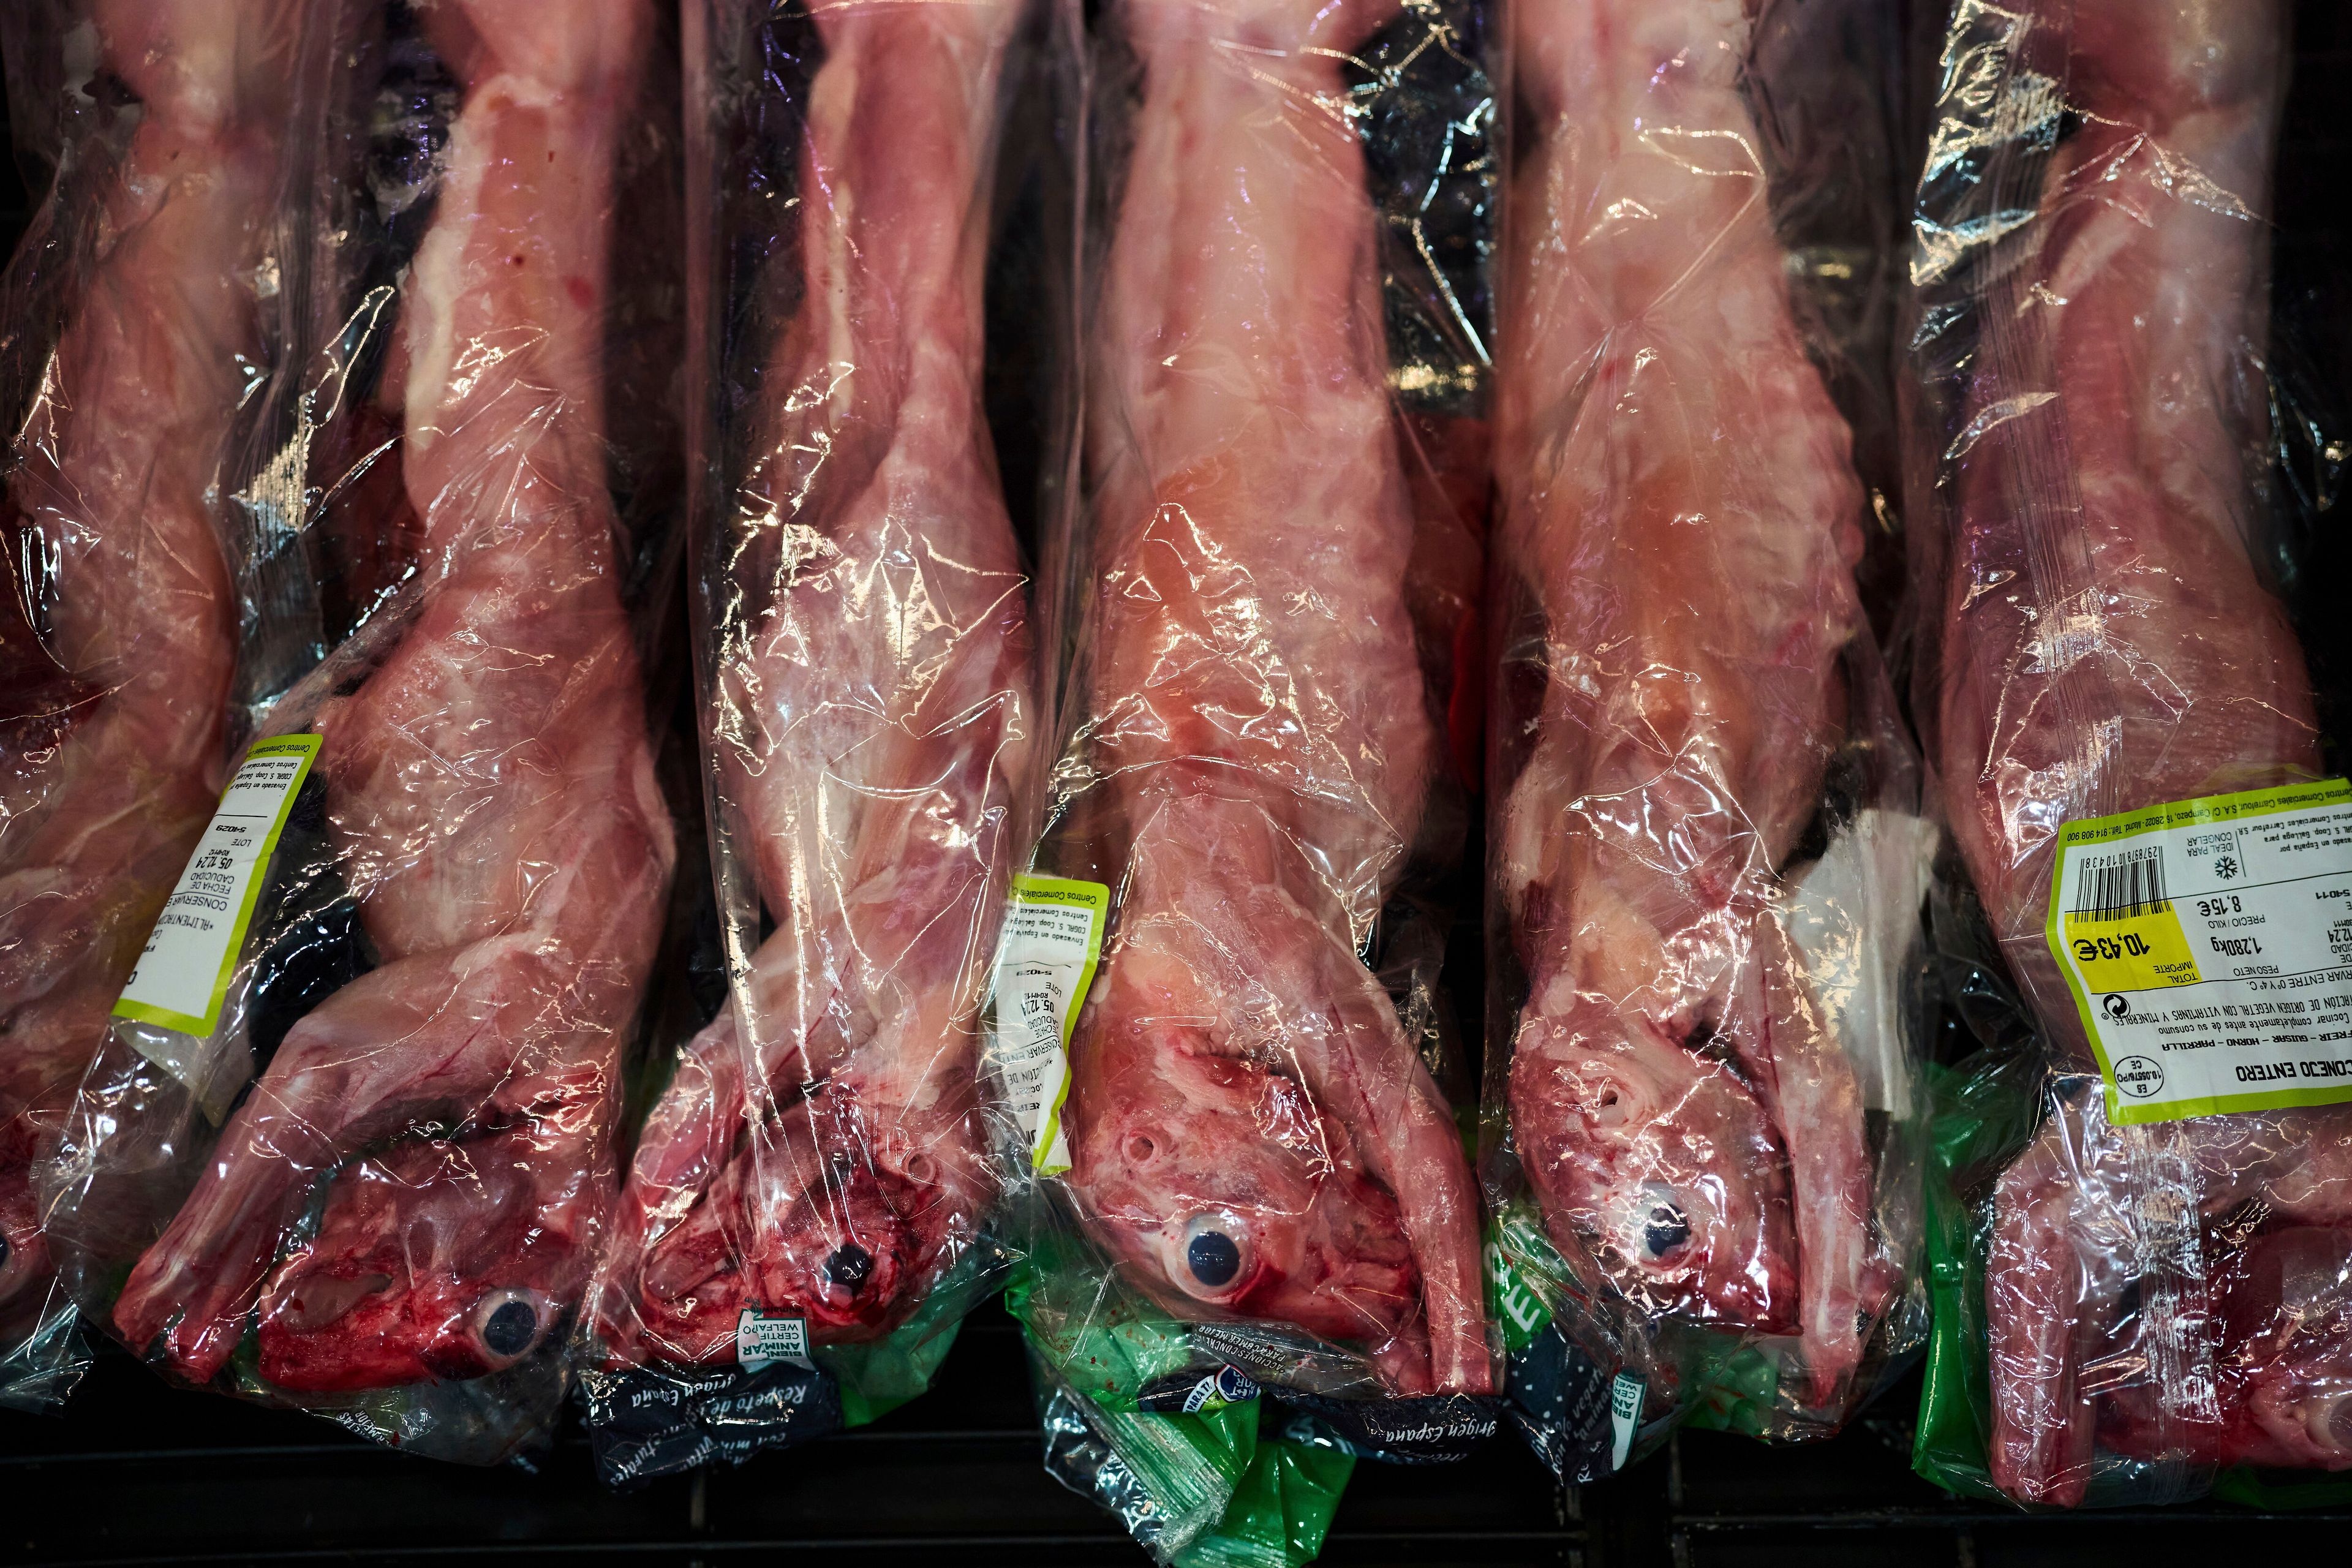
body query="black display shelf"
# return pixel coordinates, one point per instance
(135, 1472)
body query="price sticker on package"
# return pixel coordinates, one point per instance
(2207, 945)
(183, 975)
(1053, 942)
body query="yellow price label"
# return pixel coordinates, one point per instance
(2139, 952)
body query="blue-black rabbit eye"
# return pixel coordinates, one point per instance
(1214, 1258)
(1215, 1255)
(849, 1265)
(507, 1322)
(1664, 1228)
(511, 1329)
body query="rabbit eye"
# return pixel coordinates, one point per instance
(849, 1266)
(508, 1323)
(1665, 1227)
(1215, 1255)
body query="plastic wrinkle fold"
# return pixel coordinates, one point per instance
(132, 309)
(1265, 583)
(2095, 525)
(1707, 857)
(868, 717)
(375, 1187)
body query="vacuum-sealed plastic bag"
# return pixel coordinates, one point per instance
(134, 313)
(2144, 1178)
(1216, 1019)
(802, 1226)
(1703, 1101)
(351, 1142)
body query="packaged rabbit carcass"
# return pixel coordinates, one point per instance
(806, 1218)
(1217, 1034)
(133, 312)
(1703, 1107)
(351, 1140)
(2144, 1186)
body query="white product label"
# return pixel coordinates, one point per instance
(183, 972)
(2209, 947)
(763, 1338)
(1624, 1417)
(1053, 941)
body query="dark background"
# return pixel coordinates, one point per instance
(134, 1472)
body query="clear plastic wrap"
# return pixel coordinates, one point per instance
(2144, 1289)
(134, 311)
(352, 1138)
(1249, 1178)
(802, 1225)
(1703, 1103)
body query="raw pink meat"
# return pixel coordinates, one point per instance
(2106, 644)
(2124, 499)
(111, 720)
(2226, 1358)
(1253, 1134)
(490, 792)
(438, 1258)
(1681, 511)
(2286, 1349)
(870, 731)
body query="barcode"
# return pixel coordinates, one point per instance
(2118, 887)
